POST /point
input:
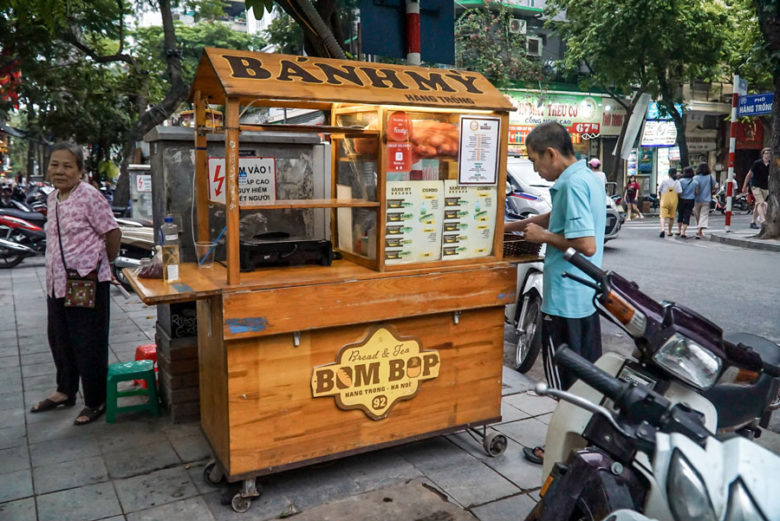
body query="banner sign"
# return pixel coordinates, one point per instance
(376, 374)
(659, 134)
(256, 180)
(755, 104)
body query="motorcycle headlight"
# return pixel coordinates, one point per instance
(741, 505)
(687, 493)
(688, 361)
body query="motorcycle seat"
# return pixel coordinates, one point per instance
(769, 351)
(35, 218)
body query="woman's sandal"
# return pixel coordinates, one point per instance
(47, 404)
(534, 455)
(92, 413)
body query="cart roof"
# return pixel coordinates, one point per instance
(301, 81)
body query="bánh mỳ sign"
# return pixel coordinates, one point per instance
(375, 374)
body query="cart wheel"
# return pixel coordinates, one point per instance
(211, 474)
(240, 504)
(494, 444)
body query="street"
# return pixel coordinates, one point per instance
(734, 287)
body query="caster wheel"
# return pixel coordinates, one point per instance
(240, 504)
(494, 444)
(211, 474)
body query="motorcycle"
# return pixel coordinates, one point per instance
(19, 237)
(136, 244)
(739, 202)
(680, 354)
(693, 475)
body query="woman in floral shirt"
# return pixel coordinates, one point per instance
(80, 220)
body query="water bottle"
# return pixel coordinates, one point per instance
(169, 240)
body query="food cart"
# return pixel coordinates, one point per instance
(309, 353)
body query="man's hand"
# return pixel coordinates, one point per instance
(535, 233)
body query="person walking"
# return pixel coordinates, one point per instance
(758, 181)
(577, 220)
(706, 186)
(595, 166)
(631, 196)
(686, 201)
(82, 239)
(668, 192)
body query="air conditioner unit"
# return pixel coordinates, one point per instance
(534, 46)
(517, 26)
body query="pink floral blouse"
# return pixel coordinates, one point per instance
(85, 217)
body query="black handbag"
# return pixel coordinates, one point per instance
(80, 292)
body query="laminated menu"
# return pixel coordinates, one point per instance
(414, 215)
(468, 221)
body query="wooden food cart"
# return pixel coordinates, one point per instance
(401, 336)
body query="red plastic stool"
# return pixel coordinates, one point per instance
(146, 352)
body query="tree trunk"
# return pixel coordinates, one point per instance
(771, 228)
(630, 110)
(155, 115)
(682, 142)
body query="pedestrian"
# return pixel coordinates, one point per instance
(631, 196)
(577, 220)
(82, 239)
(686, 202)
(758, 179)
(668, 192)
(706, 186)
(595, 166)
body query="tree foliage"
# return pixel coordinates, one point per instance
(484, 43)
(652, 46)
(285, 33)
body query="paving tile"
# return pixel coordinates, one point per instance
(528, 433)
(154, 489)
(43, 382)
(271, 504)
(473, 483)
(510, 413)
(129, 435)
(55, 425)
(34, 347)
(11, 384)
(37, 358)
(513, 382)
(195, 471)
(13, 459)
(186, 510)
(12, 436)
(532, 403)
(129, 462)
(70, 474)
(47, 369)
(191, 448)
(79, 504)
(15, 485)
(21, 510)
(314, 486)
(515, 507)
(13, 417)
(433, 454)
(70, 449)
(9, 361)
(378, 469)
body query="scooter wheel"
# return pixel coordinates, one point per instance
(494, 444)
(240, 504)
(8, 259)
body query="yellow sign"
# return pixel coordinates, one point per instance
(375, 374)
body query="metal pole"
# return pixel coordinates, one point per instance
(413, 32)
(732, 148)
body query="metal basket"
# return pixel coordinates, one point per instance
(515, 246)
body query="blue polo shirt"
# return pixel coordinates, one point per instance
(579, 209)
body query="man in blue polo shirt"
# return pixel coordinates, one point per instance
(577, 220)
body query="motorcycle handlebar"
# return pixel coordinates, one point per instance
(606, 384)
(579, 260)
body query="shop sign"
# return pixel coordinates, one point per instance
(654, 113)
(750, 135)
(659, 134)
(375, 374)
(256, 180)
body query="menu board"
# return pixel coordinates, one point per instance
(478, 159)
(414, 215)
(468, 221)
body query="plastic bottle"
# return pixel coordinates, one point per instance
(169, 240)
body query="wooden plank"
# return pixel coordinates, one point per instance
(275, 421)
(381, 195)
(503, 151)
(212, 369)
(312, 203)
(194, 283)
(317, 129)
(274, 311)
(201, 170)
(231, 191)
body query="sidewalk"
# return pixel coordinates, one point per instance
(144, 468)
(745, 237)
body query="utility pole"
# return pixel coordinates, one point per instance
(413, 32)
(737, 89)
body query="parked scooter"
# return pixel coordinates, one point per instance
(19, 237)
(136, 244)
(739, 202)
(693, 476)
(680, 354)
